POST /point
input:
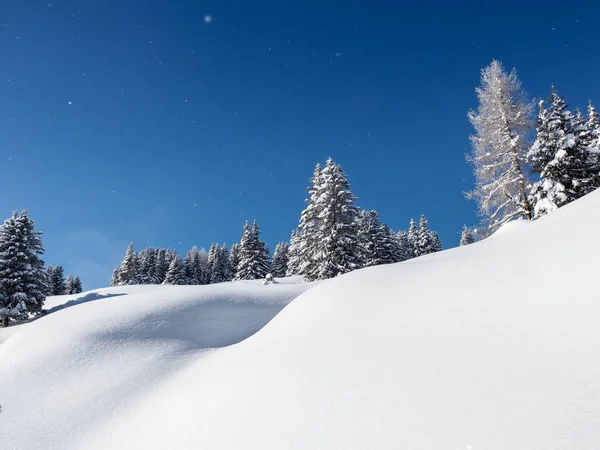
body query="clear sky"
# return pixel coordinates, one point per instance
(169, 123)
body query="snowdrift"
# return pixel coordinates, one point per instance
(95, 352)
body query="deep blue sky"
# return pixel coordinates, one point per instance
(142, 121)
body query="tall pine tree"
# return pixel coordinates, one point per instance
(23, 282)
(254, 255)
(280, 260)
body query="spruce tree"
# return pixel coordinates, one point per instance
(77, 286)
(161, 265)
(213, 264)
(193, 267)
(280, 260)
(424, 243)
(338, 242)
(561, 157)
(23, 282)
(304, 245)
(436, 242)
(69, 285)
(502, 123)
(116, 277)
(467, 237)
(234, 258)
(129, 269)
(254, 255)
(413, 237)
(406, 248)
(293, 265)
(58, 280)
(226, 267)
(147, 266)
(176, 272)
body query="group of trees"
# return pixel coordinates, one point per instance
(334, 236)
(247, 260)
(563, 157)
(24, 282)
(57, 285)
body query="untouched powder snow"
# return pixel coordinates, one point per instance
(495, 345)
(94, 353)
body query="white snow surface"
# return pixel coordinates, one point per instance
(495, 345)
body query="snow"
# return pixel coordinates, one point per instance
(494, 345)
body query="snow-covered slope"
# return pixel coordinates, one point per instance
(491, 346)
(96, 352)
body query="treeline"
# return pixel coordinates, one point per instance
(516, 177)
(334, 236)
(24, 282)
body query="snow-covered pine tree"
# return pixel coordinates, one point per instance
(294, 254)
(193, 267)
(147, 266)
(560, 156)
(234, 258)
(49, 280)
(213, 264)
(254, 255)
(162, 265)
(226, 268)
(337, 230)
(424, 243)
(129, 269)
(203, 266)
(116, 277)
(23, 281)
(176, 272)
(407, 250)
(280, 260)
(413, 237)
(77, 286)
(502, 123)
(379, 244)
(436, 242)
(304, 244)
(58, 280)
(70, 285)
(467, 237)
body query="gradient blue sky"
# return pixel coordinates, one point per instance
(142, 121)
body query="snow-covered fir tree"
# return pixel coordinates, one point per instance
(407, 250)
(116, 277)
(56, 280)
(213, 264)
(424, 243)
(234, 258)
(70, 285)
(77, 286)
(23, 282)
(304, 244)
(413, 232)
(129, 269)
(337, 241)
(227, 269)
(147, 266)
(561, 157)
(161, 265)
(193, 267)
(280, 260)
(378, 243)
(293, 265)
(254, 255)
(502, 123)
(436, 242)
(176, 272)
(467, 237)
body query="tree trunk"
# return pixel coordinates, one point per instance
(5, 321)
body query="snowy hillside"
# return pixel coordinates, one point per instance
(491, 346)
